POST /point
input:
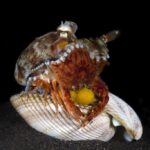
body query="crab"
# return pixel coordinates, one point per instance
(58, 62)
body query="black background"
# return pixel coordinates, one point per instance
(127, 76)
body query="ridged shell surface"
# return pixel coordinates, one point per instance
(41, 114)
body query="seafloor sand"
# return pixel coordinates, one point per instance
(15, 134)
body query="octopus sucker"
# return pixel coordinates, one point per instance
(64, 90)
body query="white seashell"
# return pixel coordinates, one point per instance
(40, 113)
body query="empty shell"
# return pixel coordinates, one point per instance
(41, 114)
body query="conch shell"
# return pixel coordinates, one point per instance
(41, 114)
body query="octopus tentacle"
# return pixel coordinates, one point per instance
(72, 109)
(56, 92)
(101, 91)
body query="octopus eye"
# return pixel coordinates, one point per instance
(62, 44)
(66, 34)
(59, 46)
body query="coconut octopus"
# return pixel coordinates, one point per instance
(58, 65)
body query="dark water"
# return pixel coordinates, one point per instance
(127, 76)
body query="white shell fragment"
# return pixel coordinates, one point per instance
(41, 114)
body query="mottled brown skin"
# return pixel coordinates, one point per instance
(77, 71)
(40, 49)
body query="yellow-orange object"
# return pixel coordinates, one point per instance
(85, 96)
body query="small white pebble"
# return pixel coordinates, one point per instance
(115, 122)
(127, 137)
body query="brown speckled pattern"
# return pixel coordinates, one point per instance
(37, 51)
